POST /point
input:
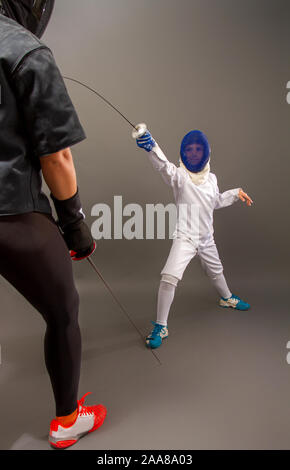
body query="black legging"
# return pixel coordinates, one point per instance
(35, 260)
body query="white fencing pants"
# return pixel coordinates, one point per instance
(181, 253)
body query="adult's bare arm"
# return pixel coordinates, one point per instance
(59, 173)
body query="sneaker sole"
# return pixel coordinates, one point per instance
(234, 307)
(63, 444)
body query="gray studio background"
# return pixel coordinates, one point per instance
(221, 66)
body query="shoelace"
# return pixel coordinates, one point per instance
(157, 329)
(85, 410)
(236, 297)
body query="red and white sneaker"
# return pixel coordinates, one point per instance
(88, 419)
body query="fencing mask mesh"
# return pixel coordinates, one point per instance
(195, 157)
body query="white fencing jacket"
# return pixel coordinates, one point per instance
(195, 203)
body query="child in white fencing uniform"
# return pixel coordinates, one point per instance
(196, 195)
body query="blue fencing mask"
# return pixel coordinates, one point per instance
(195, 151)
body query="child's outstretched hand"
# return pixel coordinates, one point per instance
(244, 197)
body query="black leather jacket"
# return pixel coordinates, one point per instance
(37, 118)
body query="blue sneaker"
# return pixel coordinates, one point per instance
(155, 338)
(235, 302)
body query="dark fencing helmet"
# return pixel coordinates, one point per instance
(33, 15)
(195, 137)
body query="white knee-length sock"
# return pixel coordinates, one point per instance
(221, 286)
(165, 298)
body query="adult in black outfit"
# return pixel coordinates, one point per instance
(38, 126)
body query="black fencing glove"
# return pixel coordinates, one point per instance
(74, 230)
